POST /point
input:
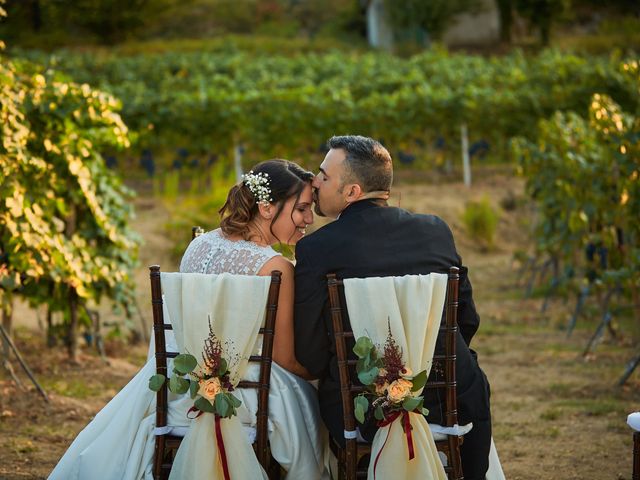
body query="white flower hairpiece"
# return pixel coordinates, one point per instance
(258, 184)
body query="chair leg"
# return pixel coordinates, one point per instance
(342, 464)
(454, 457)
(351, 452)
(636, 456)
(158, 456)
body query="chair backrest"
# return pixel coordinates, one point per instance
(196, 232)
(261, 445)
(344, 341)
(636, 456)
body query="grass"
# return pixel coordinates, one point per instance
(495, 329)
(40, 430)
(562, 347)
(551, 414)
(562, 389)
(75, 387)
(21, 445)
(82, 382)
(552, 432)
(593, 407)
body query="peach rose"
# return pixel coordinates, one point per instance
(209, 388)
(380, 389)
(399, 390)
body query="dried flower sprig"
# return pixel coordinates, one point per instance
(391, 384)
(210, 384)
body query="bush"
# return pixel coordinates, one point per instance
(481, 221)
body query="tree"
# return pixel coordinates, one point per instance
(433, 16)
(542, 14)
(64, 217)
(105, 21)
(505, 10)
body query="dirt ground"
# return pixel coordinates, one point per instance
(556, 415)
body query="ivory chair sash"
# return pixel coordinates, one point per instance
(230, 301)
(411, 306)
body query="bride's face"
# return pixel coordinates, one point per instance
(294, 218)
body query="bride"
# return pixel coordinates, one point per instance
(271, 205)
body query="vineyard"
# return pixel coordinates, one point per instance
(76, 123)
(273, 104)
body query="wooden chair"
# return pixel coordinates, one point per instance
(167, 444)
(636, 456)
(633, 420)
(352, 462)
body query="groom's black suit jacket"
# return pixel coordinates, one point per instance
(371, 239)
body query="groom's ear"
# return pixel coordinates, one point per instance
(353, 191)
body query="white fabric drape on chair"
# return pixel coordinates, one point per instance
(411, 306)
(230, 301)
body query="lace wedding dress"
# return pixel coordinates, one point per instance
(119, 441)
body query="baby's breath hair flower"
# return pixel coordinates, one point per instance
(258, 184)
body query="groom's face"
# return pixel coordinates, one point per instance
(328, 186)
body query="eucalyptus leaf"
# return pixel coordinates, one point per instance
(223, 406)
(184, 363)
(235, 401)
(193, 388)
(419, 381)
(178, 384)
(411, 403)
(205, 405)
(378, 413)
(156, 382)
(222, 369)
(367, 377)
(363, 347)
(361, 405)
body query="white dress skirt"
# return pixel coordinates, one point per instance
(118, 444)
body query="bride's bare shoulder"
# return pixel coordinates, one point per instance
(276, 263)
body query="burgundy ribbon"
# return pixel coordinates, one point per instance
(219, 438)
(194, 409)
(406, 423)
(223, 453)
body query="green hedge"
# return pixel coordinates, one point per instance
(274, 104)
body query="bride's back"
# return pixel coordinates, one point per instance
(213, 253)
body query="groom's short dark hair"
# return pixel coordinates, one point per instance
(367, 162)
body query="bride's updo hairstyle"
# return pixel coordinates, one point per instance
(283, 179)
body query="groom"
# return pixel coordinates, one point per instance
(368, 239)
